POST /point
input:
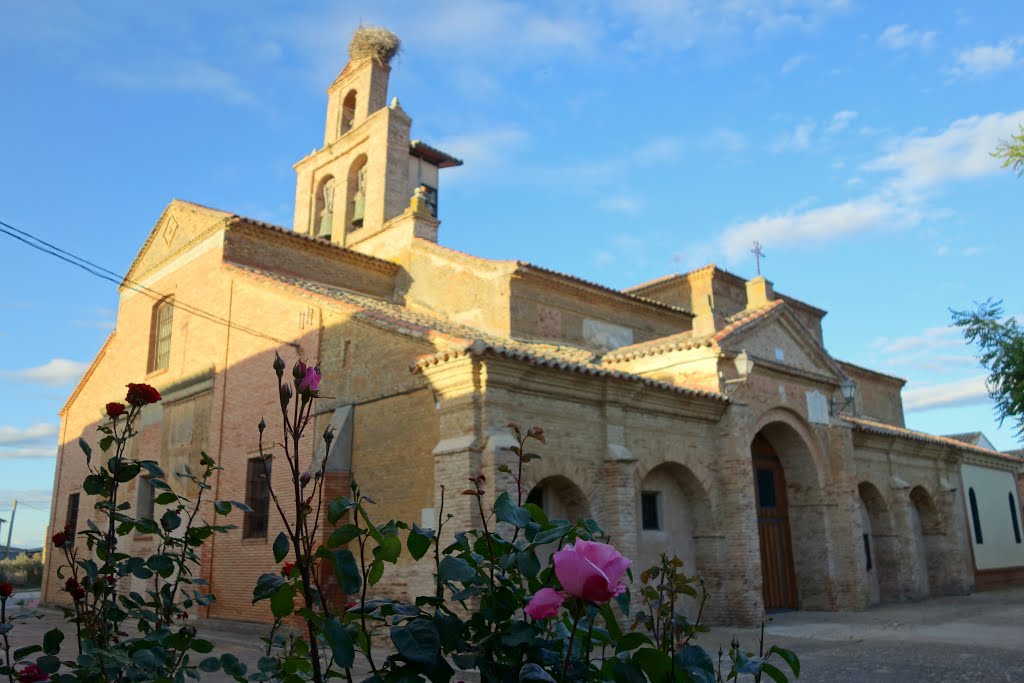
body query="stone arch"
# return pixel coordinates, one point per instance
(928, 544)
(880, 559)
(685, 526)
(560, 498)
(355, 204)
(794, 526)
(323, 214)
(347, 113)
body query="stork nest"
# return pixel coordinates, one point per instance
(374, 42)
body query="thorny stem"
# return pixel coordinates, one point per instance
(437, 548)
(364, 574)
(572, 636)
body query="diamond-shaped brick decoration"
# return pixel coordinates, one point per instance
(170, 229)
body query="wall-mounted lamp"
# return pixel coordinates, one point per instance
(847, 391)
(744, 366)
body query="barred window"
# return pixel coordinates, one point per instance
(160, 335)
(71, 518)
(257, 497)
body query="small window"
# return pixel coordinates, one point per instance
(144, 499)
(975, 517)
(649, 513)
(536, 496)
(766, 488)
(1014, 519)
(71, 518)
(257, 497)
(160, 335)
(348, 113)
(867, 550)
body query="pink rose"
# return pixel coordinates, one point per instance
(592, 571)
(310, 382)
(545, 603)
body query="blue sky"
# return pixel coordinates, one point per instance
(615, 141)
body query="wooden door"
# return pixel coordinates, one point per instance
(773, 528)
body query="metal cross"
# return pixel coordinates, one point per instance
(758, 253)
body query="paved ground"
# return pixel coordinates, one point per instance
(972, 638)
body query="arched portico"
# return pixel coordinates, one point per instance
(794, 515)
(880, 559)
(560, 498)
(928, 545)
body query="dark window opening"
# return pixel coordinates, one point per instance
(257, 497)
(650, 519)
(348, 113)
(71, 518)
(867, 550)
(975, 517)
(1013, 518)
(536, 496)
(766, 488)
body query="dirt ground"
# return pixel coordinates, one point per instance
(975, 638)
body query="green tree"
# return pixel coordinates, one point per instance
(1000, 342)
(1012, 152)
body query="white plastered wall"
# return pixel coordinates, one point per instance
(992, 490)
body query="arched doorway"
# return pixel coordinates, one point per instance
(881, 546)
(674, 517)
(795, 515)
(928, 544)
(777, 570)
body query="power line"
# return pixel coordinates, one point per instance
(102, 273)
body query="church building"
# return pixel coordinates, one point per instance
(698, 413)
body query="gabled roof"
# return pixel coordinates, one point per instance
(420, 149)
(874, 427)
(860, 368)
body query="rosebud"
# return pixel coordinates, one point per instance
(298, 371)
(309, 385)
(537, 433)
(278, 365)
(304, 479)
(74, 589)
(286, 570)
(115, 410)
(6, 590)
(286, 395)
(60, 538)
(262, 425)
(329, 437)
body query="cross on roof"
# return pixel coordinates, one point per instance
(758, 253)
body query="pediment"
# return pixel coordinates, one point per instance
(180, 227)
(782, 341)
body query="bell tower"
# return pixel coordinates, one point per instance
(350, 190)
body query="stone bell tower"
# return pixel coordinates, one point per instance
(352, 189)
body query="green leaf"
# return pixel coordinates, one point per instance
(127, 471)
(238, 505)
(232, 666)
(773, 673)
(161, 564)
(94, 485)
(23, 652)
(537, 513)
(455, 569)
(528, 563)
(48, 664)
(106, 442)
(376, 572)
(697, 662)
(166, 498)
(343, 535)
(86, 448)
(281, 547)
(631, 641)
(266, 586)
(337, 508)
(389, 549)
(222, 507)
(201, 646)
(628, 672)
(417, 641)
(340, 641)
(170, 520)
(209, 665)
(282, 603)
(655, 664)
(789, 656)
(533, 672)
(507, 511)
(51, 641)
(346, 570)
(419, 541)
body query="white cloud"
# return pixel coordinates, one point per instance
(727, 139)
(901, 37)
(16, 436)
(985, 59)
(28, 452)
(802, 226)
(792, 63)
(485, 148)
(620, 204)
(799, 138)
(34, 497)
(840, 120)
(662, 149)
(930, 339)
(961, 151)
(181, 76)
(963, 392)
(55, 372)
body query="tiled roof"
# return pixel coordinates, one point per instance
(861, 368)
(418, 148)
(1016, 453)
(480, 347)
(967, 437)
(687, 340)
(892, 430)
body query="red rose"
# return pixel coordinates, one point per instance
(74, 589)
(32, 674)
(141, 395)
(114, 410)
(286, 570)
(59, 539)
(6, 590)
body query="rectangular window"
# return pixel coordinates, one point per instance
(71, 518)
(766, 488)
(649, 513)
(257, 496)
(144, 499)
(160, 336)
(867, 550)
